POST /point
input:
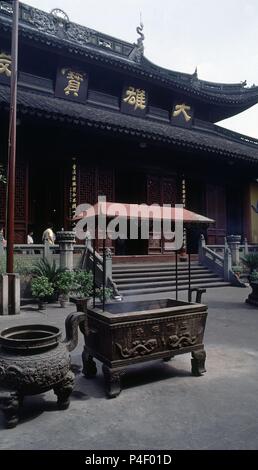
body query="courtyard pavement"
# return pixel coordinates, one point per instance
(162, 406)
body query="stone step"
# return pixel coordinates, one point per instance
(171, 283)
(157, 269)
(152, 265)
(155, 276)
(155, 290)
(162, 280)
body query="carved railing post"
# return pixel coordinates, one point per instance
(66, 241)
(202, 245)
(3, 294)
(246, 249)
(10, 294)
(1, 244)
(108, 264)
(227, 264)
(234, 245)
(46, 251)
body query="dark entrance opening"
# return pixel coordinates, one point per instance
(131, 187)
(46, 198)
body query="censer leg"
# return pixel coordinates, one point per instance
(10, 407)
(64, 390)
(89, 365)
(112, 380)
(198, 362)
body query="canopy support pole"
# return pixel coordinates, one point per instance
(94, 272)
(189, 277)
(176, 275)
(104, 273)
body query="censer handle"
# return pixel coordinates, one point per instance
(72, 323)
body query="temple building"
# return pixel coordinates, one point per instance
(96, 117)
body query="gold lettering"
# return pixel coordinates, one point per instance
(135, 97)
(74, 82)
(182, 108)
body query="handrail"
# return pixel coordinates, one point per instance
(87, 263)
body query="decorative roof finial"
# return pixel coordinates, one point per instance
(60, 15)
(139, 30)
(138, 51)
(195, 74)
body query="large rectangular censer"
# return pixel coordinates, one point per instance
(128, 333)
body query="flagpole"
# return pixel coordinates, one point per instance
(10, 200)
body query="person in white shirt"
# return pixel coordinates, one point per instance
(30, 240)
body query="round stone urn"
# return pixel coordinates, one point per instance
(34, 360)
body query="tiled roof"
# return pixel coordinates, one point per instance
(39, 104)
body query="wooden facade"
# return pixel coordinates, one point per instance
(141, 134)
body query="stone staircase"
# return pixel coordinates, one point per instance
(137, 279)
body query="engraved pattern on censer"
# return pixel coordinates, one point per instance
(138, 348)
(175, 335)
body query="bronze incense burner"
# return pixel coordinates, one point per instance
(34, 360)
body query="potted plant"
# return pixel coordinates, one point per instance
(41, 289)
(64, 285)
(108, 293)
(237, 270)
(82, 288)
(251, 261)
(51, 271)
(253, 297)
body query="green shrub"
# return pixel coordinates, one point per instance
(46, 269)
(64, 282)
(253, 276)
(41, 288)
(83, 283)
(108, 293)
(251, 261)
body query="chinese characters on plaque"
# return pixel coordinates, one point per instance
(72, 84)
(73, 189)
(5, 67)
(134, 101)
(182, 115)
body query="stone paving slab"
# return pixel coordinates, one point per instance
(162, 406)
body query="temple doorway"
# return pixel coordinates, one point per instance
(46, 197)
(131, 187)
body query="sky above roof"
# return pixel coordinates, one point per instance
(219, 37)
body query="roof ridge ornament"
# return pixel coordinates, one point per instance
(60, 15)
(195, 79)
(61, 21)
(138, 51)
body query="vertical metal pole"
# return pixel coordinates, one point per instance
(176, 275)
(94, 271)
(104, 273)
(10, 196)
(189, 277)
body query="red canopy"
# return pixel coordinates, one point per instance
(142, 211)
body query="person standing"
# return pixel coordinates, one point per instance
(30, 240)
(48, 235)
(4, 242)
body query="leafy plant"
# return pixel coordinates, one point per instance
(41, 288)
(237, 269)
(108, 293)
(251, 261)
(253, 276)
(48, 270)
(83, 283)
(64, 282)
